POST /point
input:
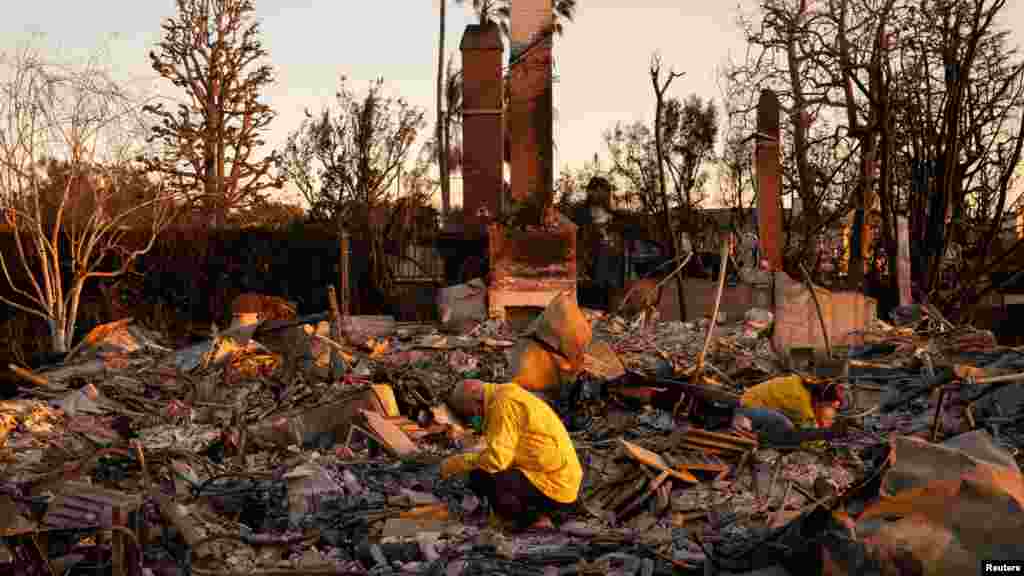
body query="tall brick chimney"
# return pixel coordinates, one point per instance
(482, 138)
(769, 171)
(530, 110)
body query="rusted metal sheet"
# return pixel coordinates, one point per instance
(81, 505)
(769, 170)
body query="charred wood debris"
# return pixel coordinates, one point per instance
(312, 447)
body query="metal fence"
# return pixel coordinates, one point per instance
(417, 264)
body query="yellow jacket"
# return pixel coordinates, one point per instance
(522, 431)
(785, 394)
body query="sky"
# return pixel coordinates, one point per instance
(602, 60)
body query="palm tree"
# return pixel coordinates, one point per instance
(500, 12)
(449, 137)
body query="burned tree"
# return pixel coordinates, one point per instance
(961, 108)
(634, 160)
(674, 244)
(895, 107)
(346, 161)
(787, 48)
(211, 50)
(690, 132)
(69, 191)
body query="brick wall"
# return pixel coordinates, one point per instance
(482, 123)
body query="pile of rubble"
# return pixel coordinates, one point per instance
(313, 447)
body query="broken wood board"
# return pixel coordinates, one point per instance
(357, 329)
(81, 505)
(705, 442)
(442, 414)
(413, 498)
(621, 497)
(699, 461)
(704, 449)
(411, 429)
(403, 528)
(663, 499)
(681, 519)
(29, 376)
(98, 335)
(608, 489)
(84, 370)
(727, 438)
(654, 460)
(392, 437)
(12, 523)
(644, 522)
(176, 516)
(438, 511)
(335, 417)
(601, 361)
(653, 486)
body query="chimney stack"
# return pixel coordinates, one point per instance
(769, 170)
(530, 111)
(482, 102)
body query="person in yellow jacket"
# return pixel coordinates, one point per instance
(528, 470)
(788, 410)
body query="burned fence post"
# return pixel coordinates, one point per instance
(903, 261)
(336, 318)
(344, 265)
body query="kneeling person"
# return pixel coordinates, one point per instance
(528, 470)
(789, 411)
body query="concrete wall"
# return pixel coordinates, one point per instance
(797, 324)
(700, 299)
(796, 317)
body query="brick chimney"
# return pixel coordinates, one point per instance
(530, 110)
(769, 171)
(482, 137)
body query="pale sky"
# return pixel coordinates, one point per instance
(602, 60)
